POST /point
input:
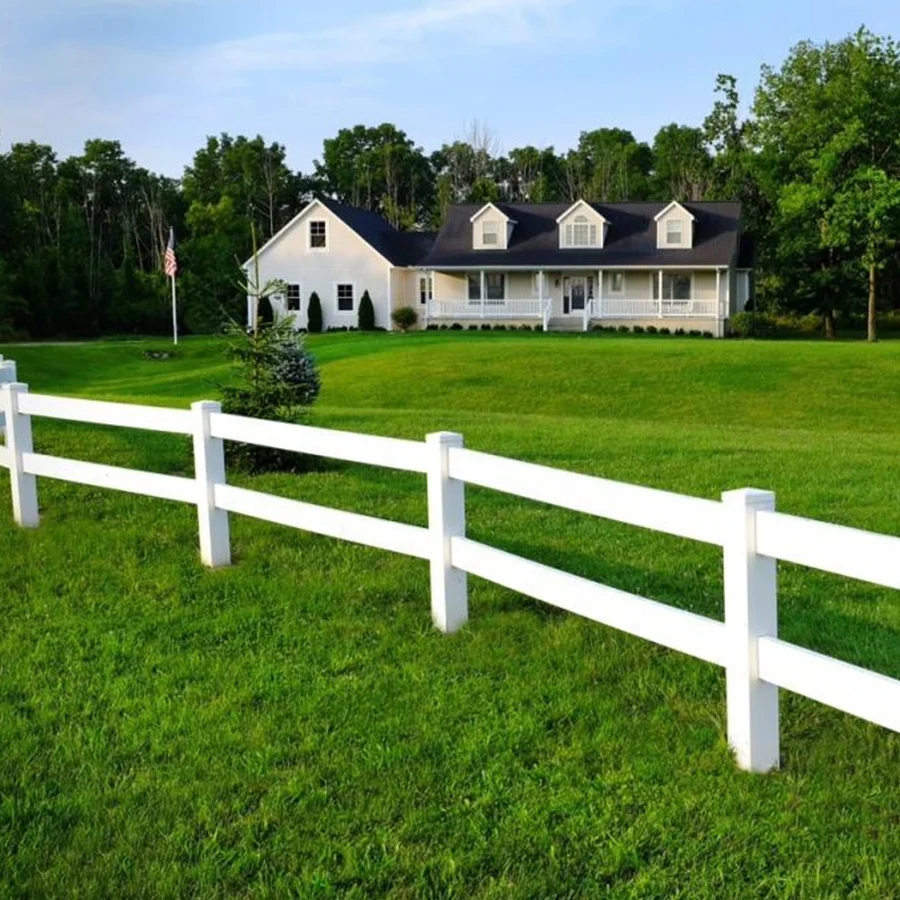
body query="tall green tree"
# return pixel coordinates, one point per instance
(826, 125)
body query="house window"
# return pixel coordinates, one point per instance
(581, 233)
(675, 287)
(293, 298)
(495, 284)
(674, 232)
(344, 297)
(490, 234)
(474, 286)
(317, 235)
(426, 289)
(617, 282)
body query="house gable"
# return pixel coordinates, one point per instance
(675, 227)
(491, 228)
(582, 226)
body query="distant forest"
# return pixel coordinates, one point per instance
(816, 164)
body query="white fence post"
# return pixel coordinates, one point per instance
(18, 441)
(446, 520)
(7, 376)
(209, 466)
(751, 612)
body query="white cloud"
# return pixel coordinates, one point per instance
(435, 28)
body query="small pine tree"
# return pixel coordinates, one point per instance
(314, 314)
(366, 320)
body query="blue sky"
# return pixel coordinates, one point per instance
(160, 75)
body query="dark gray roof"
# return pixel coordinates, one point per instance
(630, 241)
(402, 248)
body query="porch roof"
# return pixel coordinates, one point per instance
(630, 242)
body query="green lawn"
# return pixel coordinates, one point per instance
(294, 727)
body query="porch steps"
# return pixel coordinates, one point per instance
(565, 323)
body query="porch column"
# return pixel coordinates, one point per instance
(660, 293)
(541, 292)
(429, 295)
(483, 282)
(719, 292)
(600, 294)
(727, 309)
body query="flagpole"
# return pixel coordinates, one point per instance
(174, 313)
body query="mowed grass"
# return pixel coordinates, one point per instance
(293, 726)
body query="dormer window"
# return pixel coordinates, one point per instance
(581, 226)
(674, 233)
(490, 234)
(675, 227)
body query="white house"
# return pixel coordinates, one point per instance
(564, 266)
(339, 252)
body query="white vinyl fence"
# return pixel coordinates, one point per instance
(744, 523)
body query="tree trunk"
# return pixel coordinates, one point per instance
(871, 318)
(830, 325)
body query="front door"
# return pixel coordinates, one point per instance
(576, 290)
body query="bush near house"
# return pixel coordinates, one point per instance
(314, 314)
(366, 314)
(405, 317)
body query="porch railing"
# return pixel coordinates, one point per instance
(624, 308)
(514, 308)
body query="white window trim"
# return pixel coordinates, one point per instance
(346, 312)
(505, 276)
(681, 230)
(611, 279)
(564, 232)
(299, 309)
(327, 246)
(473, 299)
(495, 233)
(428, 278)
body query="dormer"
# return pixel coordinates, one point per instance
(582, 227)
(491, 228)
(675, 228)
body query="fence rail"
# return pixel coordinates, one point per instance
(744, 524)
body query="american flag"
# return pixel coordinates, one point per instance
(171, 262)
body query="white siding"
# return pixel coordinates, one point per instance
(346, 259)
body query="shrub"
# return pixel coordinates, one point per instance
(431, 327)
(499, 328)
(638, 329)
(622, 329)
(485, 326)
(693, 333)
(405, 317)
(538, 327)
(277, 380)
(664, 331)
(314, 314)
(443, 326)
(679, 332)
(473, 328)
(652, 329)
(456, 327)
(708, 334)
(753, 325)
(365, 316)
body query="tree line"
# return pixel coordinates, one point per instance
(816, 163)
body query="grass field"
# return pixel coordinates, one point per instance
(293, 726)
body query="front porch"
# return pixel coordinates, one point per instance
(572, 300)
